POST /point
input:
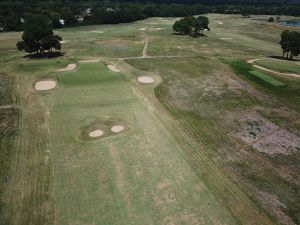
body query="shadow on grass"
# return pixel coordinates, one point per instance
(282, 58)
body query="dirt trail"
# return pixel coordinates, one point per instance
(272, 71)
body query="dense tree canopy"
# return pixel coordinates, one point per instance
(72, 13)
(38, 36)
(193, 26)
(290, 43)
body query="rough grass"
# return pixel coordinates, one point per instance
(268, 79)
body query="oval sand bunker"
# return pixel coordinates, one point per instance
(44, 85)
(113, 68)
(117, 129)
(96, 133)
(146, 80)
(69, 67)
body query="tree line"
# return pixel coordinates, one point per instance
(13, 14)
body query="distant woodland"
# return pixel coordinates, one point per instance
(62, 13)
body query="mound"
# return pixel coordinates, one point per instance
(113, 68)
(117, 129)
(44, 85)
(68, 68)
(89, 61)
(145, 80)
(96, 133)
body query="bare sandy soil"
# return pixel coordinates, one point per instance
(219, 22)
(96, 133)
(226, 38)
(113, 68)
(117, 129)
(69, 67)
(145, 80)
(143, 29)
(44, 85)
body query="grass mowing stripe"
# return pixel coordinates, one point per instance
(268, 79)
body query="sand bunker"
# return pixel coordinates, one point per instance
(146, 80)
(96, 133)
(226, 38)
(97, 31)
(89, 61)
(159, 28)
(113, 68)
(44, 85)
(63, 42)
(143, 29)
(219, 22)
(68, 68)
(117, 129)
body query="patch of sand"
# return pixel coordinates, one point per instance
(143, 29)
(97, 31)
(145, 80)
(63, 42)
(159, 28)
(226, 38)
(117, 129)
(44, 85)
(68, 68)
(113, 68)
(96, 133)
(219, 22)
(89, 61)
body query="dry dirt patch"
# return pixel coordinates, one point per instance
(69, 67)
(280, 142)
(45, 85)
(267, 137)
(146, 80)
(113, 68)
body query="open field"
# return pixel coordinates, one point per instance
(147, 127)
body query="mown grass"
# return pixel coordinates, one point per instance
(280, 65)
(268, 79)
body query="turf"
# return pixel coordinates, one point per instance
(268, 79)
(280, 65)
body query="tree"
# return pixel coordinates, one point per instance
(38, 36)
(193, 26)
(271, 19)
(200, 24)
(290, 43)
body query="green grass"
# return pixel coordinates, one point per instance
(280, 65)
(268, 79)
